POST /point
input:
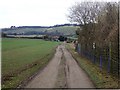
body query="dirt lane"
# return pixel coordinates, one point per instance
(47, 78)
(76, 77)
(62, 72)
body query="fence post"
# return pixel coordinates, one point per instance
(100, 62)
(100, 59)
(109, 58)
(94, 52)
(79, 48)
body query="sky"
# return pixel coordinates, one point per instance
(34, 12)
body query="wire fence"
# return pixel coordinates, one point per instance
(106, 58)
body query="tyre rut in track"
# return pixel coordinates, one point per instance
(62, 72)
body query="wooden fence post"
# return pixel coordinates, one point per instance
(109, 58)
(100, 61)
(94, 52)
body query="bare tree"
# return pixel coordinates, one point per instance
(85, 12)
(100, 26)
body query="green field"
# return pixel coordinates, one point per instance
(21, 58)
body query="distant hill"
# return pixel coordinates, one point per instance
(63, 29)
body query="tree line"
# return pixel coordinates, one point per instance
(99, 26)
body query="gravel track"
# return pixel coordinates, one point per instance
(61, 72)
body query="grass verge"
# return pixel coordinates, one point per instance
(22, 58)
(25, 75)
(100, 78)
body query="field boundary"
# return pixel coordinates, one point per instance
(24, 83)
(99, 78)
(19, 64)
(16, 72)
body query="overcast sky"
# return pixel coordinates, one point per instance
(34, 12)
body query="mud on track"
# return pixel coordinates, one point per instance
(61, 72)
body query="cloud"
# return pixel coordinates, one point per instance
(34, 12)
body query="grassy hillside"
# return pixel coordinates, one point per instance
(65, 30)
(21, 58)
